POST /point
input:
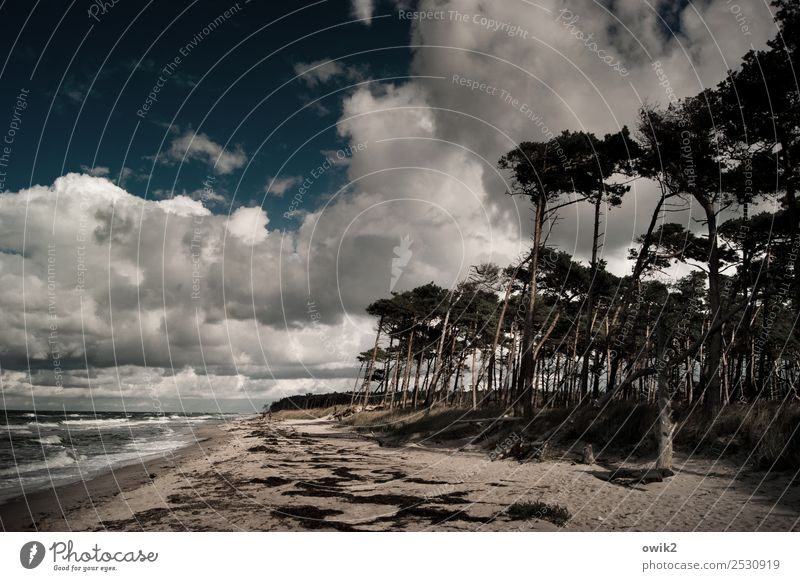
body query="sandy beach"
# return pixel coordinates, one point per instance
(300, 475)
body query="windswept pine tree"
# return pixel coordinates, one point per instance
(552, 330)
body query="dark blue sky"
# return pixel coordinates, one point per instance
(89, 74)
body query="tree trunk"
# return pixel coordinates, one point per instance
(439, 354)
(371, 366)
(665, 428)
(714, 356)
(590, 314)
(355, 386)
(526, 372)
(474, 383)
(407, 374)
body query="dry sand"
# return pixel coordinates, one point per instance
(314, 475)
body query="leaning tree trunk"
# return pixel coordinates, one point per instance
(417, 371)
(474, 382)
(714, 357)
(590, 314)
(439, 354)
(527, 368)
(407, 373)
(371, 366)
(664, 428)
(355, 386)
(395, 377)
(501, 320)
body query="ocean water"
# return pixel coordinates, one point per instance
(41, 449)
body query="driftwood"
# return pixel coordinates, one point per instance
(632, 476)
(588, 456)
(344, 413)
(488, 420)
(525, 451)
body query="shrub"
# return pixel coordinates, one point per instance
(554, 513)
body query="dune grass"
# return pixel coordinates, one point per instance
(764, 436)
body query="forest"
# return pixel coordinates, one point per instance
(549, 331)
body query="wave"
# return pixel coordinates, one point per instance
(59, 460)
(18, 429)
(93, 423)
(49, 440)
(42, 425)
(148, 447)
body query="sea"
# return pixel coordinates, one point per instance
(43, 449)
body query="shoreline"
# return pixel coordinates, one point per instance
(319, 475)
(21, 513)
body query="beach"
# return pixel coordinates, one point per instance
(315, 474)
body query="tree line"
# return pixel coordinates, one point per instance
(553, 331)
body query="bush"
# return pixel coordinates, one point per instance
(554, 513)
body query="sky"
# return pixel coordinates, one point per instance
(200, 198)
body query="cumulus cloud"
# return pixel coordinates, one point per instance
(249, 225)
(194, 146)
(175, 297)
(164, 293)
(545, 63)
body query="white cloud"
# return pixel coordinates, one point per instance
(249, 225)
(324, 71)
(209, 302)
(363, 9)
(191, 145)
(100, 171)
(183, 206)
(545, 67)
(223, 303)
(280, 186)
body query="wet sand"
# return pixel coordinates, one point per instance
(303, 475)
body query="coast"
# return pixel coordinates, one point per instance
(315, 474)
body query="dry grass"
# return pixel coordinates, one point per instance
(309, 414)
(433, 424)
(766, 434)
